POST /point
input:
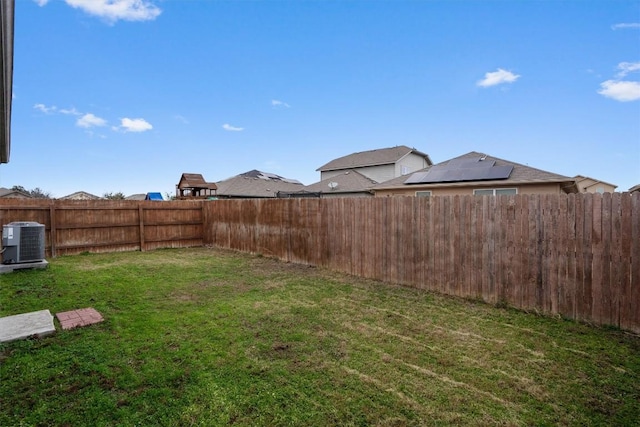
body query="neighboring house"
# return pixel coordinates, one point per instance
(378, 165)
(193, 186)
(349, 183)
(256, 184)
(477, 173)
(80, 195)
(139, 196)
(586, 184)
(5, 193)
(635, 189)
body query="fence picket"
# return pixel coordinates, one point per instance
(576, 255)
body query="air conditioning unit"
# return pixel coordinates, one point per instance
(22, 241)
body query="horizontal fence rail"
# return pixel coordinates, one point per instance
(574, 255)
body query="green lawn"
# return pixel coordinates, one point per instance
(208, 337)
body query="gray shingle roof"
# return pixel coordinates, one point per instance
(382, 156)
(80, 195)
(257, 184)
(139, 196)
(350, 181)
(521, 174)
(5, 192)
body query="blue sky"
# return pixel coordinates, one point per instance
(126, 95)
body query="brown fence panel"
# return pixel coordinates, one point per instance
(573, 255)
(73, 226)
(633, 315)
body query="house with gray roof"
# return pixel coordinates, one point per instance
(256, 184)
(349, 183)
(138, 196)
(6, 193)
(479, 174)
(80, 195)
(378, 165)
(587, 184)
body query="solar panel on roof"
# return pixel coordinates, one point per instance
(443, 174)
(415, 178)
(500, 172)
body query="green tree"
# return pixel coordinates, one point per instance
(36, 193)
(114, 196)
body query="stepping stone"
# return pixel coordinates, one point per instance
(75, 318)
(20, 326)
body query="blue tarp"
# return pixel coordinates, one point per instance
(154, 196)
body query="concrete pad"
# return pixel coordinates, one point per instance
(8, 268)
(83, 317)
(20, 326)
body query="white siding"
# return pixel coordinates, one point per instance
(412, 162)
(379, 173)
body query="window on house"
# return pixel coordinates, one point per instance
(404, 170)
(506, 191)
(423, 193)
(494, 191)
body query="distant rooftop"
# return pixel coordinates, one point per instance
(268, 176)
(349, 181)
(382, 156)
(256, 184)
(518, 174)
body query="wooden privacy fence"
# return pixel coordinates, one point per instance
(574, 255)
(73, 227)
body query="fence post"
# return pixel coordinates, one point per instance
(141, 225)
(205, 223)
(52, 230)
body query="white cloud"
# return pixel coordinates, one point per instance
(135, 125)
(43, 108)
(230, 128)
(114, 10)
(53, 109)
(279, 104)
(498, 77)
(620, 90)
(90, 120)
(70, 111)
(624, 26)
(41, 2)
(628, 67)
